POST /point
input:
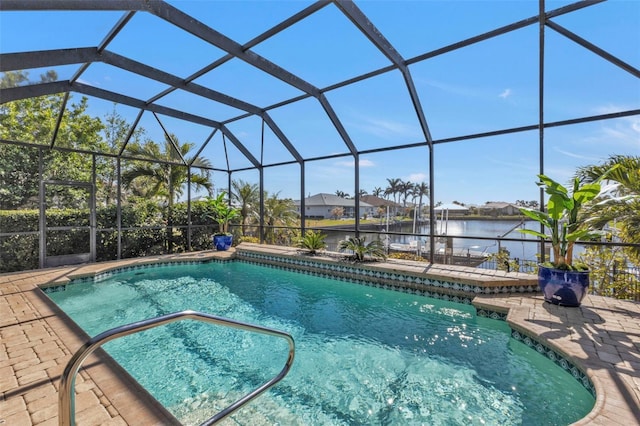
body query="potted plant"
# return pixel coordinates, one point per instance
(562, 282)
(223, 213)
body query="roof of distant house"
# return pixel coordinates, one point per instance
(450, 207)
(497, 205)
(377, 201)
(331, 200)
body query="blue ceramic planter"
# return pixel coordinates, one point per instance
(222, 242)
(560, 287)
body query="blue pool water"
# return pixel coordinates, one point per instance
(363, 355)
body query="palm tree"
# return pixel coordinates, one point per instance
(312, 241)
(165, 180)
(377, 191)
(247, 197)
(626, 173)
(405, 188)
(393, 188)
(342, 194)
(361, 249)
(622, 203)
(421, 190)
(278, 212)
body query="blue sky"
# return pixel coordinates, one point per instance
(484, 87)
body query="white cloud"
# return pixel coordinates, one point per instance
(515, 164)
(505, 94)
(455, 89)
(387, 129)
(615, 132)
(578, 156)
(608, 109)
(485, 93)
(352, 164)
(625, 130)
(620, 134)
(417, 177)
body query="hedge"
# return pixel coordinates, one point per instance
(149, 236)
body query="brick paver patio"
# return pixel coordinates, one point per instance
(602, 337)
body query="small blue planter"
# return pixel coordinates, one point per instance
(564, 288)
(222, 242)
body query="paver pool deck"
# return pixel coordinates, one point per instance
(602, 337)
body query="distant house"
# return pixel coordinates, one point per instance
(321, 206)
(378, 203)
(498, 208)
(451, 209)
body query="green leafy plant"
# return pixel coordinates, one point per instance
(503, 261)
(223, 213)
(407, 256)
(312, 241)
(360, 248)
(562, 217)
(611, 273)
(249, 239)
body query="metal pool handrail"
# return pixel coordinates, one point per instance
(66, 401)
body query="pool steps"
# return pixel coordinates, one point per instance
(66, 405)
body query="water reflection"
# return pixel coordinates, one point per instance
(526, 248)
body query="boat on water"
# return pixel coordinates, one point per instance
(411, 247)
(467, 256)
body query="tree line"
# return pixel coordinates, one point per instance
(149, 180)
(34, 120)
(397, 190)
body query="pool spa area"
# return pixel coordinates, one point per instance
(392, 342)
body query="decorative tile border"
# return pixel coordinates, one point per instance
(566, 365)
(101, 276)
(395, 279)
(54, 289)
(107, 274)
(368, 283)
(485, 313)
(397, 282)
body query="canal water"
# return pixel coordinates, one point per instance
(525, 248)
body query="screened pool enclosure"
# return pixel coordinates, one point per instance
(411, 121)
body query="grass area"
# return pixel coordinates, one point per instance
(311, 223)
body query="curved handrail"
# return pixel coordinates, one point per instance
(66, 402)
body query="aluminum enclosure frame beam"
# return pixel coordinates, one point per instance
(135, 6)
(189, 24)
(23, 92)
(360, 20)
(90, 55)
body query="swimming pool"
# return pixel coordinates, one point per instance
(363, 355)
